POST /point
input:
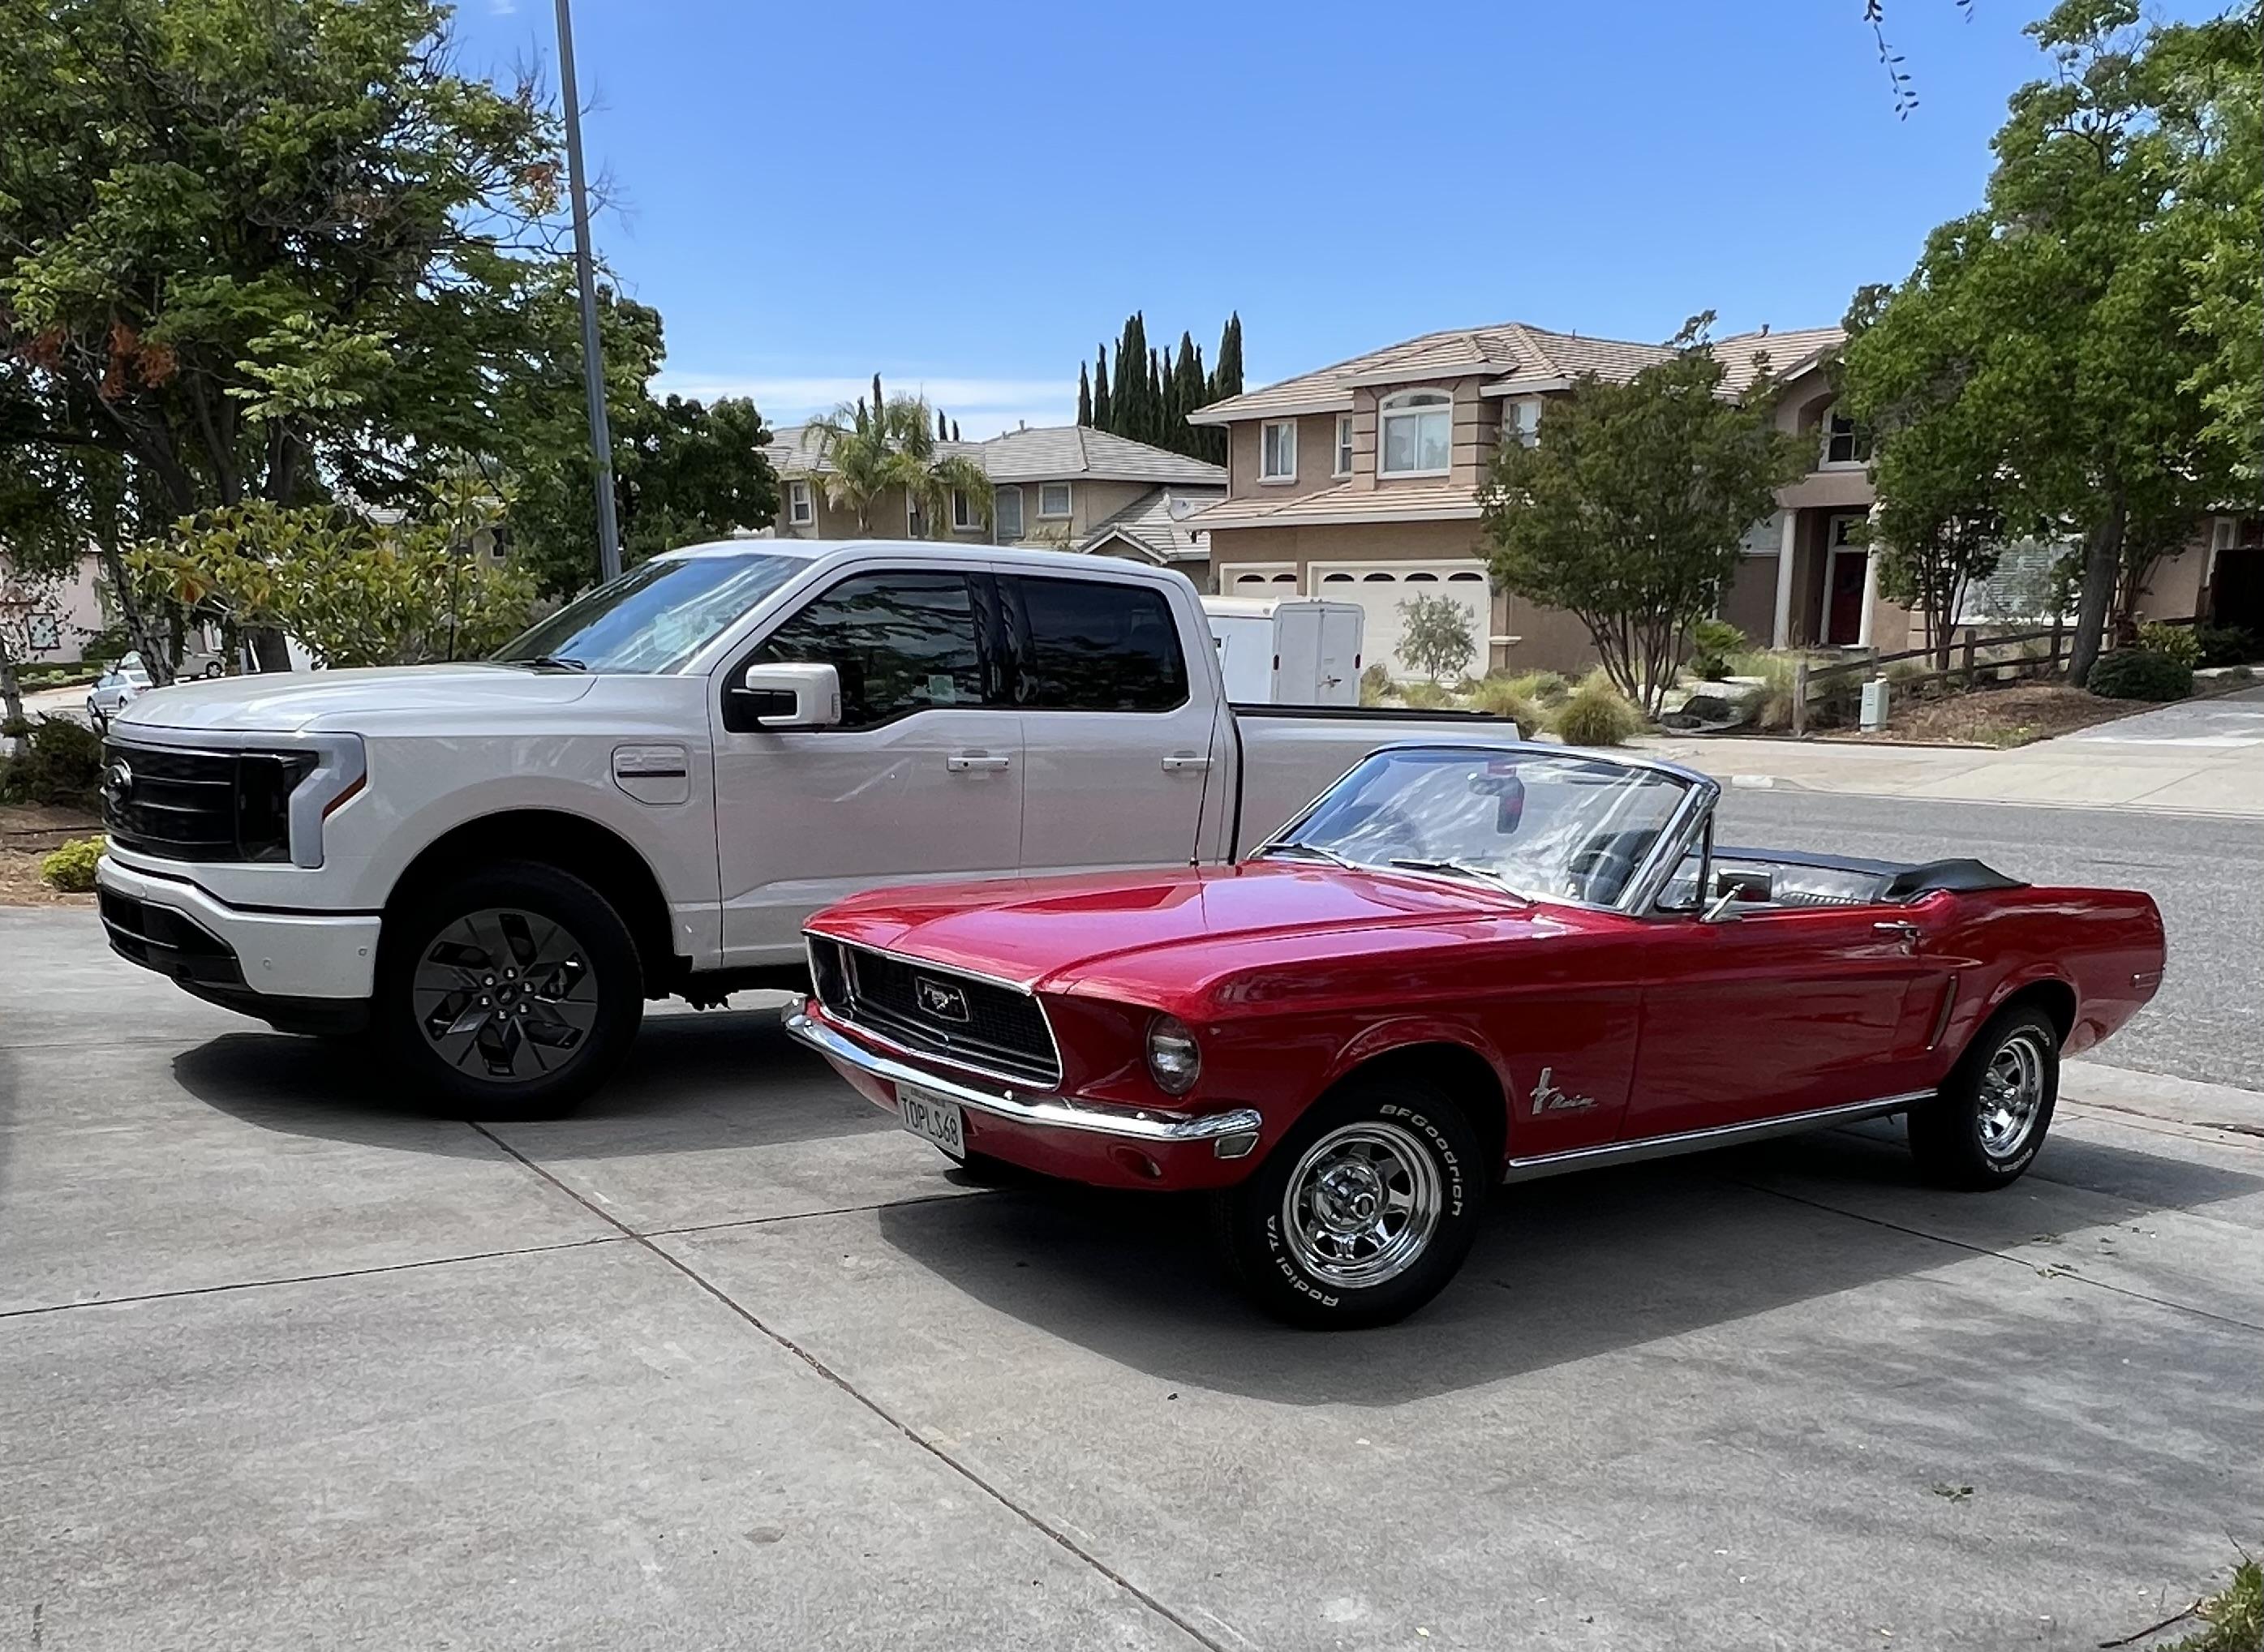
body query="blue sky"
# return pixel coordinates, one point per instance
(966, 197)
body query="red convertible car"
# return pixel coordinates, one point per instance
(1463, 965)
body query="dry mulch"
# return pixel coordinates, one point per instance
(28, 833)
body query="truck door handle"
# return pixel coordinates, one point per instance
(1906, 933)
(1182, 762)
(976, 762)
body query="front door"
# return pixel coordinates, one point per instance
(1121, 758)
(922, 780)
(1782, 1012)
(1844, 623)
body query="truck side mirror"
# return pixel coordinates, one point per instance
(769, 695)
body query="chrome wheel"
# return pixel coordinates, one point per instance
(2012, 1094)
(506, 994)
(1361, 1205)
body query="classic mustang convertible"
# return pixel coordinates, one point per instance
(1465, 965)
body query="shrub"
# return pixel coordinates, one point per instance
(1498, 695)
(2178, 642)
(1712, 643)
(61, 764)
(1426, 696)
(71, 868)
(1597, 715)
(2227, 645)
(1375, 685)
(2140, 674)
(1545, 688)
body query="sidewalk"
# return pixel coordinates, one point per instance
(2200, 756)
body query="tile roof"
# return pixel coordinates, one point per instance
(1508, 350)
(1443, 503)
(1050, 453)
(1158, 523)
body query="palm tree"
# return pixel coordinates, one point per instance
(873, 449)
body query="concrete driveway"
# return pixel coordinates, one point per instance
(728, 1362)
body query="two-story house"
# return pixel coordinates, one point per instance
(1063, 486)
(1360, 481)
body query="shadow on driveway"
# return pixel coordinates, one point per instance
(692, 1083)
(1566, 1269)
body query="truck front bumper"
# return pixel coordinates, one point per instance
(1051, 1134)
(314, 968)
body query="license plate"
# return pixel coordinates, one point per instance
(932, 1118)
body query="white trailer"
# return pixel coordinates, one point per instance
(1286, 650)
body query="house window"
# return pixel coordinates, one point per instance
(1006, 513)
(1418, 428)
(800, 509)
(1520, 420)
(1844, 443)
(1344, 445)
(1052, 499)
(1277, 451)
(966, 514)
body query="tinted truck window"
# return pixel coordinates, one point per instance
(902, 642)
(1091, 646)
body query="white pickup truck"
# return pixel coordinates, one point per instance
(489, 868)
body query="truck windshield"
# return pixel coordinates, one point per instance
(653, 618)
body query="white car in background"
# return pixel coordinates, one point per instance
(115, 689)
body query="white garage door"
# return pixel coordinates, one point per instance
(1380, 588)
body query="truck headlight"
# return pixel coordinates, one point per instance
(1174, 1061)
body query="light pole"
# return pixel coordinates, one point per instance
(593, 368)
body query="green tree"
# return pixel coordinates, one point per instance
(894, 451)
(355, 591)
(1434, 637)
(1084, 395)
(2059, 320)
(261, 251)
(1627, 509)
(1103, 409)
(1226, 376)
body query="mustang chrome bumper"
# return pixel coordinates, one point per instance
(1231, 1134)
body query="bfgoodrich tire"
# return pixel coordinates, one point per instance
(1362, 1212)
(509, 993)
(1985, 1126)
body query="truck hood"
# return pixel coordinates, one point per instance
(287, 702)
(1057, 931)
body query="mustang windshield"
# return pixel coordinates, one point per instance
(1543, 825)
(655, 617)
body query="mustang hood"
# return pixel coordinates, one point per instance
(284, 702)
(1058, 930)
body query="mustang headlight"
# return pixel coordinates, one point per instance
(1174, 1061)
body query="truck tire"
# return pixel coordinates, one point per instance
(1983, 1127)
(509, 993)
(1362, 1212)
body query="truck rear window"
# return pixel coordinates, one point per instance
(1093, 645)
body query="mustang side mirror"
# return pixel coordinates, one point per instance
(1732, 887)
(785, 696)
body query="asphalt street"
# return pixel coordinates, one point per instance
(2206, 873)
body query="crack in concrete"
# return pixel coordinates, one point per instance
(1029, 1517)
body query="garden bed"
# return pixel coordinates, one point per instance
(29, 832)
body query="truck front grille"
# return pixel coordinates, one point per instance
(196, 805)
(958, 1018)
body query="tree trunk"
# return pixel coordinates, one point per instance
(154, 660)
(2102, 563)
(11, 702)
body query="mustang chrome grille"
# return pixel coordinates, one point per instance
(960, 1018)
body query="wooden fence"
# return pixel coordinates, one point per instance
(2060, 642)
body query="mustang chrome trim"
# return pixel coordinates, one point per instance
(1723, 1136)
(1059, 1112)
(910, 961)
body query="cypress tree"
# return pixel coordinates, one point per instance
(1103, 410)
(1188, 393)
(1226, 377)
(941, 428)
(877, 403)
(954, 429)
(1155, 431)
(1084, 395)
(1132, 413)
